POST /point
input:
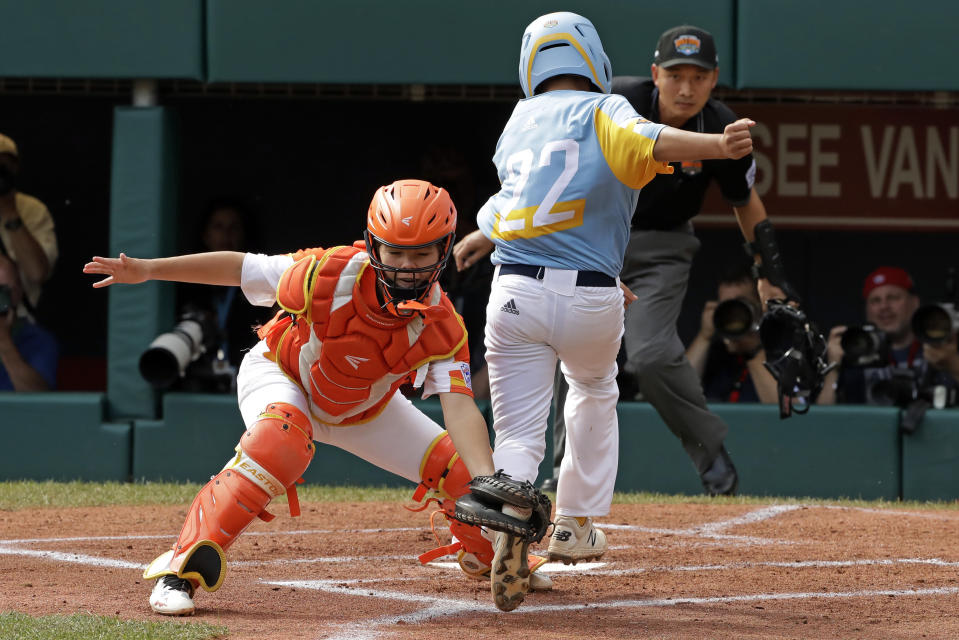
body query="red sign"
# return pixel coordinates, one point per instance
(852, 167)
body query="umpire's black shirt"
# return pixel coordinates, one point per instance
(669, 200)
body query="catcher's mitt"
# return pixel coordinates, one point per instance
(483, 506)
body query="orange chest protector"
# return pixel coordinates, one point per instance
(334, 339)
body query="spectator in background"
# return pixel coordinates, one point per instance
(727, 353)
(226, 225)
(897, 363)
(468, 290)
(26, 229)
(28, 352)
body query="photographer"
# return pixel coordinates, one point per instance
(27, 233)
(227, 323)
(28, 353)
(886, 364)
(727, 353)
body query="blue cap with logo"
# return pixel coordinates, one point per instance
(686, 44)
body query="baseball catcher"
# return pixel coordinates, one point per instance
(356, 323)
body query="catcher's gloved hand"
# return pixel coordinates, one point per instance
(483, 506)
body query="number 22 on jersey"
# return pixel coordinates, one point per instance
(550, 215)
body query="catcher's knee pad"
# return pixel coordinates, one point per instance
(276, 450)
(445, 474)
(271, 457)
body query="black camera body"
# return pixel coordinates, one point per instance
(188, 355)
(864, 346)
(736, 317)
(795, 356)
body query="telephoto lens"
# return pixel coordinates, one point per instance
(935, 323)
(863, 345)
(735, 318)
(170, 353)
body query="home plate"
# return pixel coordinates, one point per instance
(549, 567)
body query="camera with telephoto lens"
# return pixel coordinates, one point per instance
(6, 299)
(795, 356)
(864, 346)
(736, 317)
(188, 356)
(937, 323)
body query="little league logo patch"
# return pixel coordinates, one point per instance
(465, 368)
(688, 45)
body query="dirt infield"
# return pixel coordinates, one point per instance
(676, 571)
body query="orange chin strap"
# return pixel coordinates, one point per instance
(271, 457)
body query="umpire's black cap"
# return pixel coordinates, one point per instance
(686, 44)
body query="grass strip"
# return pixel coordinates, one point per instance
(86, 626)
(31, 494)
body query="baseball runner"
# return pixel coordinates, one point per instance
(662, 245)
(356, 322)
(571, 160)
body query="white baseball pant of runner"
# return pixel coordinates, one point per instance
(395, 440)
(529, 323)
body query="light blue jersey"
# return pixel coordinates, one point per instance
(570, 164)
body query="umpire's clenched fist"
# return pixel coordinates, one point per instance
(736, 141)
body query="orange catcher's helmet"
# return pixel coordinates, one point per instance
(409, 214)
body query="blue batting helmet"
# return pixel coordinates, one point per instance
(562, 43)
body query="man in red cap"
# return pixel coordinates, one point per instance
(886, 363)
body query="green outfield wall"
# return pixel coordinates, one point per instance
(832, 452)
(882, 45)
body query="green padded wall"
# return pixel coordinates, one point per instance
(142, 225)
(829, 453)
(429, 41)
(102, 39)
(61, 436)
(824, 44)
(930, 458)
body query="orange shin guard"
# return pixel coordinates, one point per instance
(445, 474)
(271, 457)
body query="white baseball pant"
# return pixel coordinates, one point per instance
(529, 323)
(395, 440)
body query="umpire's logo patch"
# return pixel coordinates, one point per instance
(687, 44)
(510, 307)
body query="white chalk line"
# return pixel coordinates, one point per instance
(442, 607)
(445, 606)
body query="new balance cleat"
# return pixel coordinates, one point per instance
(571, 542)
(476, 570)
(509, 575)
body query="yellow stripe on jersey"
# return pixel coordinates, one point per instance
(565, 37)
(628, 153)
(530, 230)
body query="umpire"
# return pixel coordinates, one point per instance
(662, 245)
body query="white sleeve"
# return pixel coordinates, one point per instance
(447, 376)
(260, 276)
